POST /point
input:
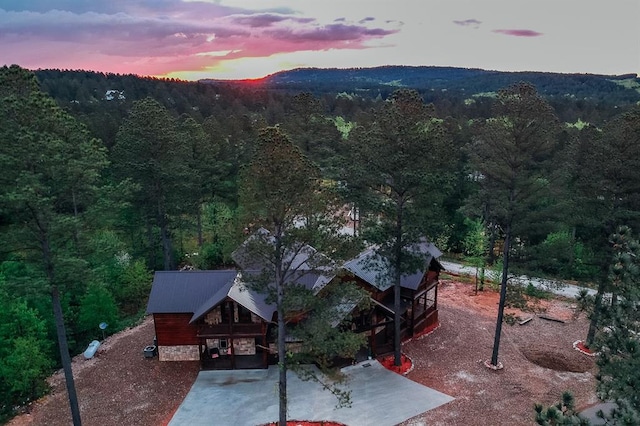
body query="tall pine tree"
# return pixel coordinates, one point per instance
(279, 189)
(396, 173)
(152, 152)
(50, 167)
(510, 158)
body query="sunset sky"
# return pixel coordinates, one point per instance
(233, 39)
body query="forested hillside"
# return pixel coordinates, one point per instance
(107, 178)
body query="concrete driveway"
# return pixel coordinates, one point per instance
(250, 397)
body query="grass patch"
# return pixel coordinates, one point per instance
(628, 83)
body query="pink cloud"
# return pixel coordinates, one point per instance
(156, 37)
(519, 33)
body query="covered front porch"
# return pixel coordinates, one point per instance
(241, 346)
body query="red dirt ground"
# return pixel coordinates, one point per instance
(539, 360)
(304, 423)
(389, 363)
(120, 387)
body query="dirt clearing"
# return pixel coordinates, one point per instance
(119, 386)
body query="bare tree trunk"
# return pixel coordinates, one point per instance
(199, 225)
(167, 247)
(503, 296)
(152, 244)
(167, 250)
(397, 344)
(76, 235)
(64, 355)
(282, 356)
(492, 242)
(595, 316)
(60, 329)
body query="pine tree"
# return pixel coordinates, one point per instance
(561, 414)
(396, 173)
(279, 189)
(151, 151)
(510, 156)
(617, 343)
(50, 174)
(608, 191)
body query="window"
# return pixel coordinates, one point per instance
(244, 315)
(430, 301)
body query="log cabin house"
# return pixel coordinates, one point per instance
(209, 316)
(213, 317)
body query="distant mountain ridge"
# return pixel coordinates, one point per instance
(469, 80)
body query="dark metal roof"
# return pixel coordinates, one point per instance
(368, 266)
(198, 292)
(188, 291)
(300, 258)
(252, 300)
(373, 269)
(311, 280)
(412, 281)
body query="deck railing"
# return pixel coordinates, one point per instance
(235, 329)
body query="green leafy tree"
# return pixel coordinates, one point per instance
(278, 189)
(98, 305)
(561, 255)
(510, 157)
(220, 223)
(134, 285)
(396, 173)
(24, 349)
(475, 246)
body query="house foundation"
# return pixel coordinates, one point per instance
(179, 353)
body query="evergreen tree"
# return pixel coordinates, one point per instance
(151, 151)
(396, 173)
(608, 191)
(310, 129)
(617, 343)
(50, 170)
(561, 414)
(279, 187)
(510, 158)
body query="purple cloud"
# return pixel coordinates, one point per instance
(155, 37)
(519, 33)
(468, 23)
(333, 32)
(267, 20)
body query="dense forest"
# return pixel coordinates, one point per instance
(107, 178)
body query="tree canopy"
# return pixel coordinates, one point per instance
(106, 178)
